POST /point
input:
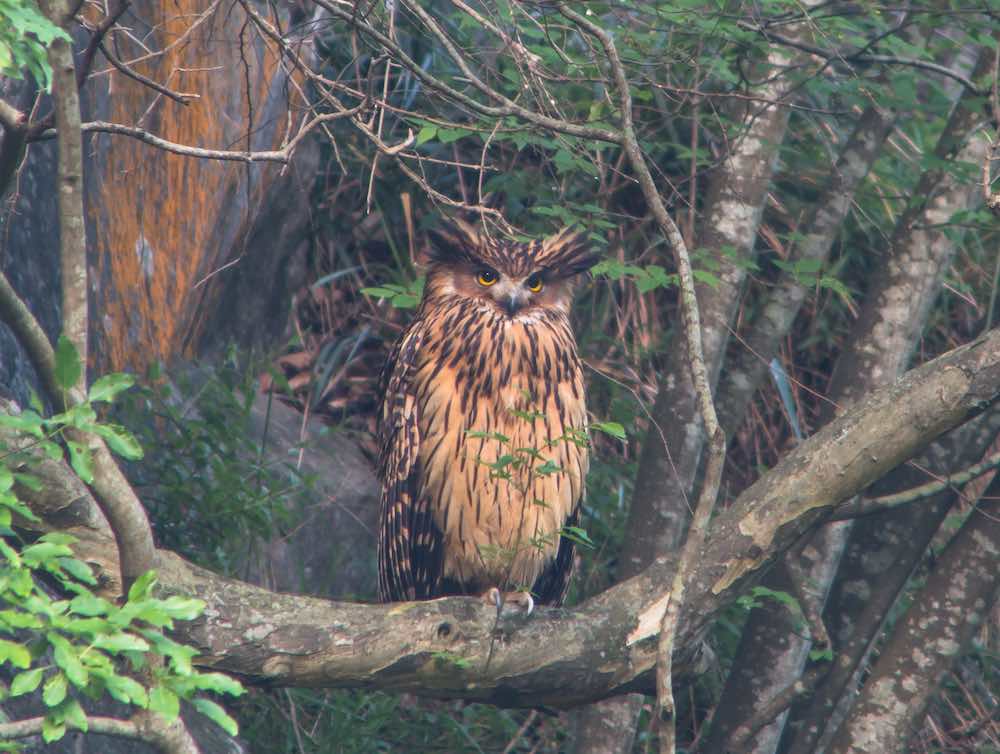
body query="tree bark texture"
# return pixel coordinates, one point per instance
(187, 255)
(749, 366)
(674, 442)
(887, 332)
(879, 559)
(959, 594)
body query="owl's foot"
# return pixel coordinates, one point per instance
(498, 599)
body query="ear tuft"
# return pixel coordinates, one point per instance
(569, 252)
(453, 240)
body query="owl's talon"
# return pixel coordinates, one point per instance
(495, 597)
(492, 596)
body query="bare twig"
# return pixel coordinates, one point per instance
(170, 738)
(97, 40)
(862, 57)
(868, 506)
(506, 106)
(699, 377)
(180, 97)
(283, 155)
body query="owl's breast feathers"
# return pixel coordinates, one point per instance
(483, 458)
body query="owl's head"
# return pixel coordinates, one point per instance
(513, 277)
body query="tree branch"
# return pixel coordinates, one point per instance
(182, 98)
(170, 738)
(866, 506)
(507, 106)
(699, 377)
(958, 595)
(832, 56)
(29, 333)
(608, 645)
(283, 155)
(118, 501)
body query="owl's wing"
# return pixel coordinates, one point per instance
(409, 544)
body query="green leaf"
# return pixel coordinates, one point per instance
(65, 655)
(120, 440)
(81, 460)
(824, 655)
(26, 682)
(54, 690)
(73, 714)
(108, 386)
(42, 553)
(30, 481)
(67, 369)
(16, 619)
(220, 683)
(215, 713)
(578, 535)
(705, 277)
(143, 586)
(88, 604)
(58, 538)
(16, 506)
(153, 613)
(379, 292)
(183, 608)
(52, 450)
(405, 301)
(27, 421)
(127, 690)
(487, 435)
(52, 730)
(78, 570)
(180, 655)
(6, 479)
(549, 467)
(614, 429)
(165, 702)
(426, 133)
(121, 642)
(14, 653)
(448, 135)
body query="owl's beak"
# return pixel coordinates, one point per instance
(514, 304)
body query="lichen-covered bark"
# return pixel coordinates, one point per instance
(879, 558)
(959, 594)
(891, 321)
(563, 657)
(735, 202)
(675, 440)
(749, 367)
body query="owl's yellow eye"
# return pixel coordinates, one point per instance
(487, 277)
(535, 283)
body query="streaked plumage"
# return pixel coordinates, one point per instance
(486, 353)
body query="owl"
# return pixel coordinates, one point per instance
(482, 452)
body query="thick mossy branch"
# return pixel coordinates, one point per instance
(564, 657)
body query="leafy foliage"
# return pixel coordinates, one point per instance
(207, 482)
(24, 36)
(62, 636)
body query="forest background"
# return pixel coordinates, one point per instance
(793, 540)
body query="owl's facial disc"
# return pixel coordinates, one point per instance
(511, 295)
